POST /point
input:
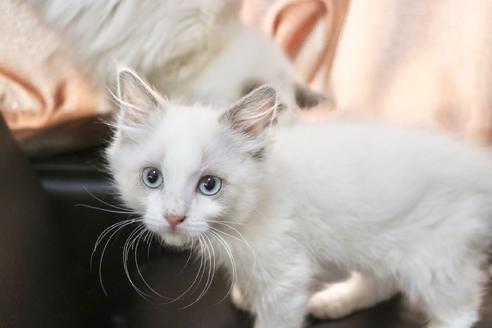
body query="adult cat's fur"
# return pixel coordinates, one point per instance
(193, 49)
(407, 208)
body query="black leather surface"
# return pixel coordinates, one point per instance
(39, 285)
(74, 181)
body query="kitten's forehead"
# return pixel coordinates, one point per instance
(184, 135)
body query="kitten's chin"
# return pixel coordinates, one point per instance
(178, 239)
(174, 241)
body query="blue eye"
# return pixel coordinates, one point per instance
(152, 177)
(209, 185)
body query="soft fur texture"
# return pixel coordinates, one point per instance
(195, 49)
(409, 209)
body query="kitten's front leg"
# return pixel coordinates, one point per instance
(281, 309)
(358, 292)
(280, 300)
(239, 300)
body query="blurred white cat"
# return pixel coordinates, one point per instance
(278, 205)
(197, 50)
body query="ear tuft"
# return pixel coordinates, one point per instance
(307, 98)
(256, 111)
(135, 98)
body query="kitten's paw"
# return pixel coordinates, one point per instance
(446, 325)
(357, 292)
(333, 302)
(238, 299)
(464, 319)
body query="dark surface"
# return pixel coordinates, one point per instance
(39, 283)
(45, 274)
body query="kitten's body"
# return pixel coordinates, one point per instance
(401, 206)
(407, 208)
(196, 50)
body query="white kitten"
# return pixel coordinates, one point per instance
(193, 49)
(408, 209)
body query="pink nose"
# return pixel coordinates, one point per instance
(174, 220)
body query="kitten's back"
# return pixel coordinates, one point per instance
(379, 158)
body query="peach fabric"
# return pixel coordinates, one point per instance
(40, 87)
(307, 30)
(407, 61)
(416, 62)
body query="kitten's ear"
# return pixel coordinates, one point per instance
(254, 112)
(135, 97)
(307, 98)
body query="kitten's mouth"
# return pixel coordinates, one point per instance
(181, 233)
(177, 232)
(178, 237)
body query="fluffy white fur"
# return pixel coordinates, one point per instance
(409, 209)
(193, 49)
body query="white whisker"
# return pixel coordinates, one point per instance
(211, 269)
(228, 250)
(105, 202)
(191, 254)
(142, 234)
(126, 250)
(112, 230)
(207, 252)
(104, 209)
(195, 280)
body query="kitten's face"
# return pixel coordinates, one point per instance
(187, 169)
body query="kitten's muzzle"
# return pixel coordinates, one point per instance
(174, 220)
